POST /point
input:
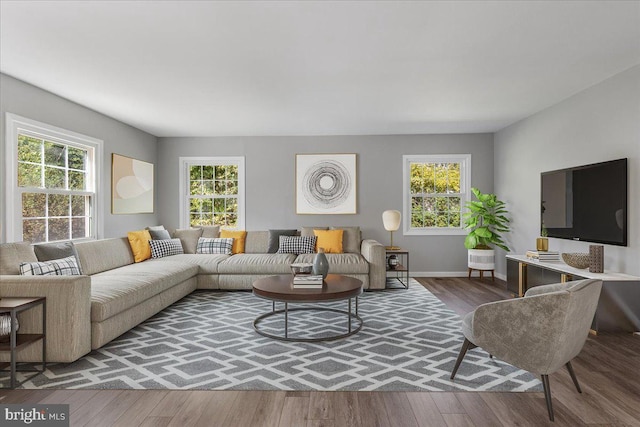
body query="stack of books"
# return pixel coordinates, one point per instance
(544, 255)
(307, 281)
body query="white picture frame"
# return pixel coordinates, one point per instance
(326, 184)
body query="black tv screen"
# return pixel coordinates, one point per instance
(586, 203)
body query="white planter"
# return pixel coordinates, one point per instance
(482, 259)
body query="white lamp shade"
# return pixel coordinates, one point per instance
(391, 220)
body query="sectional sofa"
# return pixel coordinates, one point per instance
(114, 294)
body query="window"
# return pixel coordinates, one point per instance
(212, 192)
(436, 189)
(54, 176)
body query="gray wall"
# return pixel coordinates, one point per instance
(601, 123)
(31, 102)
(270, 181)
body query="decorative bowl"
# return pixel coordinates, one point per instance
(301, 268)
(576, 260)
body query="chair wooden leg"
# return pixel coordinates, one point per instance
(573, 377)
(547, 395)
(469, 271)
(467, 345)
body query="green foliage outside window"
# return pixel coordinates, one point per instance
(213, 195)
(435, 195)
(45, 166)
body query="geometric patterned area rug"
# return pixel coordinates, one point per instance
(409, 342)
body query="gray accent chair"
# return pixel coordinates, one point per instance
(538, 333)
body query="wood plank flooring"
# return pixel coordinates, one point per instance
(608, 370)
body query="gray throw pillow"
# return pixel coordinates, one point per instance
(159, 234)
(156, 227)
(54, 251)
(274, 239)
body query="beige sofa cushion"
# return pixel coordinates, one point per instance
(341, 263)
(189, 238)
(257, 264)
(257, 242)
(207, 263)
(97, 256)
(210, 231)
(308, 231)
(117, 290)
(12, 254)
(351, 239)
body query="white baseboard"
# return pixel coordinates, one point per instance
(446, 274)
(438, 274)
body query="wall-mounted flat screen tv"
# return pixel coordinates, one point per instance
(586, 203)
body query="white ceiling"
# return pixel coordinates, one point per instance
(200, 68)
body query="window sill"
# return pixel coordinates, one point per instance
(436, 232)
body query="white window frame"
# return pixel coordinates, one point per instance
(16, 125)
(185, 165)
(465, 189)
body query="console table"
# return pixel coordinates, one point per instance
(619, 304)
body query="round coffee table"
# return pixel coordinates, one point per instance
(280, 289)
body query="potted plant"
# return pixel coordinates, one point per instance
(486, 220)
(542, 242)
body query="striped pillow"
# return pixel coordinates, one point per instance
(165, 247)
(297, 245)
(58, 267)
(218, 245)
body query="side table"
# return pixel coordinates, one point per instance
(13, 306)
(402, 267)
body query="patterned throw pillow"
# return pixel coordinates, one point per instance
(297, 245)
(58, 267)
(274, 239)
(165, 247)
(56, 250)
(214, 246)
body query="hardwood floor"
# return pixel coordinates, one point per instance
(608, 370)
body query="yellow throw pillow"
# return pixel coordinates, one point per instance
(238, 237)
(139, 242)
(330, 240)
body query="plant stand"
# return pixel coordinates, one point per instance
(493, 278)
(482, 260)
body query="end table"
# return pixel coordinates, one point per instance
(401, 267)
(13, 306)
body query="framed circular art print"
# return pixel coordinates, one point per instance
(326, 183)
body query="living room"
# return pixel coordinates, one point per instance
(540, 87)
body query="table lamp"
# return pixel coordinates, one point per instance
(391, 221)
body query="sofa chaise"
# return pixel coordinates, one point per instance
(114, 294)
